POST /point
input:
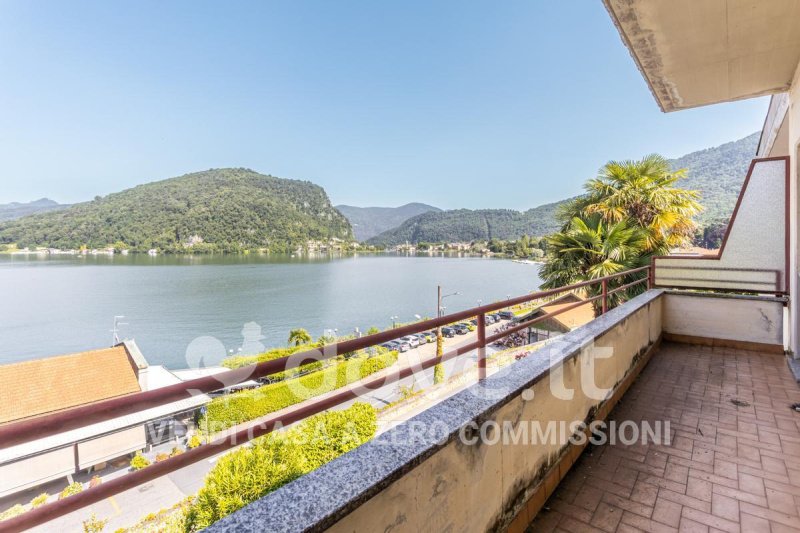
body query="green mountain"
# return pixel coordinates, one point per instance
(228, 209)
(718, 173)
(15, 210)
(463, 225)
(370, 221)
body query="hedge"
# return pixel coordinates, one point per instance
(229, 410)
(251, 472)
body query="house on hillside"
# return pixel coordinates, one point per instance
(31, 389)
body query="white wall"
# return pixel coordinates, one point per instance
(743, 319)
(756, 241)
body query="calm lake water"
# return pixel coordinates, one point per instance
(182, 308)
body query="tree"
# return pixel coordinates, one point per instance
(299, 336)
(643, 192)
(591, 248)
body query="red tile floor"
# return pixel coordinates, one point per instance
(728, 468)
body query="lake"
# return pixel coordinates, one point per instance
(183, 308)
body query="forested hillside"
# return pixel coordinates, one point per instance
(718, 173)
(462, 225)
(370, 221)
(229, 209)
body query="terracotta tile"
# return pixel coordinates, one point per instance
(754, 524)
(725, 507)
(724, 465)
(667, 512)
(751, 484)
(606, 517)
(690, 526)
(644, 493)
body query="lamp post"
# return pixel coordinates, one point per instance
(394, 321)
(438, 373)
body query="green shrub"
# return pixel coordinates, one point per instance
(71, 489)
(139, 461)
(176, 451)
(194, 441)
(238, 361)
(162, 457)
(251, 472)
(11, 512)
(39, 500)
(226, 411)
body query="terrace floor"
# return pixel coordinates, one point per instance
(728, 468)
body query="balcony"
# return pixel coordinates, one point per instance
(424, 476)
(700, 352)
(734, 462)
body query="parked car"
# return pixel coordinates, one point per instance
(506, 315)
(474, 321)
(448, 332)
(461, 329)
(391, 345)
(471, 326)
(403, 346)
(495, 316)
(490, 319)
(430, 336)
(421, 338)
(412, 340)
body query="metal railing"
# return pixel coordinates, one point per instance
(26, 430)
(666, 274)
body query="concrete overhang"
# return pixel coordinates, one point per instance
(699, 52)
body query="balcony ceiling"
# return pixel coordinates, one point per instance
(700, 52)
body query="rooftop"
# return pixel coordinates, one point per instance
(41, 386)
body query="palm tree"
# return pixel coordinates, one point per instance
(299, 336)
(643, 191)
(590, 248)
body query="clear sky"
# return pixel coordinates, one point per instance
(454, 103)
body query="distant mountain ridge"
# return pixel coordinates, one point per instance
(229, 209)
(718, 173)
(462, 225)
(370, 221)
(15, 210)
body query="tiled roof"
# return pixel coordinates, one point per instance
(573, 318)
(41, 386)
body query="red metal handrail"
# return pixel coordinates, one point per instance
(23, 431)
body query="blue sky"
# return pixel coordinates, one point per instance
(454, 103)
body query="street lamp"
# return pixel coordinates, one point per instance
(394, 321)
(480, 302)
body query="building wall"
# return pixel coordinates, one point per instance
(747, 320)
(36, 470)
(109, 447)
(793, 117)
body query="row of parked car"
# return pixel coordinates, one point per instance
(410, 342)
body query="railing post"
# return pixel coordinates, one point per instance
(482, 346)
(651, 273)
(605, 297)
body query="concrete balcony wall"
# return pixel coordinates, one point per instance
(749, 322)
(405, 480)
